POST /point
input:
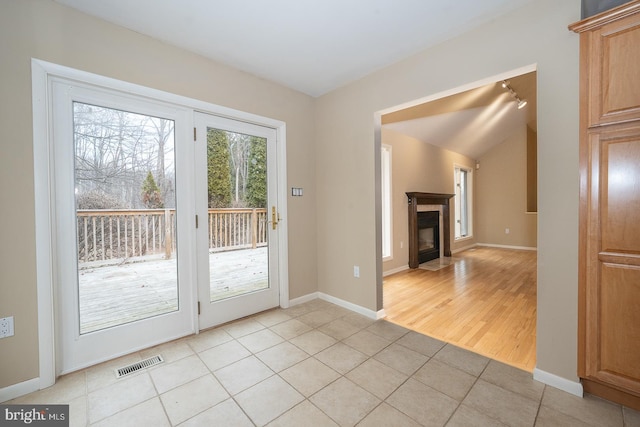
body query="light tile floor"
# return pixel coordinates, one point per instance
(317, 364)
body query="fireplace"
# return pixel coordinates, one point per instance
(428, 236)
(424, 228)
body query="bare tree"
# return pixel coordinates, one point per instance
(163, 133)
(115, 150)
(239, 145)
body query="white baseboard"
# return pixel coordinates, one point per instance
(524, 248)
(339, 302)
(303, 299)
(350, 306)
(464, 248)
(19, 389)
(395, 270)
(560, 383)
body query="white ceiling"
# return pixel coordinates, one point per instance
(312, 46)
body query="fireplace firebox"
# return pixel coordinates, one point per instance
(428, 236)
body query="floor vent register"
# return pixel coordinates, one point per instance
(135, 367)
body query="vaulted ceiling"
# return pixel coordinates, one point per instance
(470, 122)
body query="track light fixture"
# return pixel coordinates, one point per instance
(521, 102)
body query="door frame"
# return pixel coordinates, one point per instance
(46, 286)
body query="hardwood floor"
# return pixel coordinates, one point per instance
(484, 302)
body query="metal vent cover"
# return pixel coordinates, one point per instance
(137, 366)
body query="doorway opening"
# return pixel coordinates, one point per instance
(489, 131)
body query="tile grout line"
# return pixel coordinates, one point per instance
(158, 395)
(468, 391)
(231, 396)
(384, 401)
(544, 389)
(340, 374)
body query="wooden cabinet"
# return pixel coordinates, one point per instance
(609, 266)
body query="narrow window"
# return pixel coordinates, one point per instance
(463, 202)
(386, 202)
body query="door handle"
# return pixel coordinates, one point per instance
(274, 217)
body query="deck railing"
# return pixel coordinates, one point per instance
(119, 234)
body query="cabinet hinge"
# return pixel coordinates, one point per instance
(196, 221)
(198, 307)
(194, 133)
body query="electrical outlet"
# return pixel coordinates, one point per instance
(507, 231)
(356, 271)
(6, 327)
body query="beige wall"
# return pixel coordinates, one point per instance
(501, 196)
(417, 166)
(347, 159)
(45, 30)
(337, 129)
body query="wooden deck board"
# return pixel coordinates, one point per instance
(117, 294)
(484, 302)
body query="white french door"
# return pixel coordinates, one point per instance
(238, 218)
(123, 214)
(140, 232)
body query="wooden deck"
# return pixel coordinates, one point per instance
(116, 294)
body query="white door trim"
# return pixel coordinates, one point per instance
(42, 71)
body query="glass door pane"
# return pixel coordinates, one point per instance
(237, 213)
(125, 197)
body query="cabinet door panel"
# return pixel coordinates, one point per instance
(620, 198)
(619, 335)
(615, 86)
